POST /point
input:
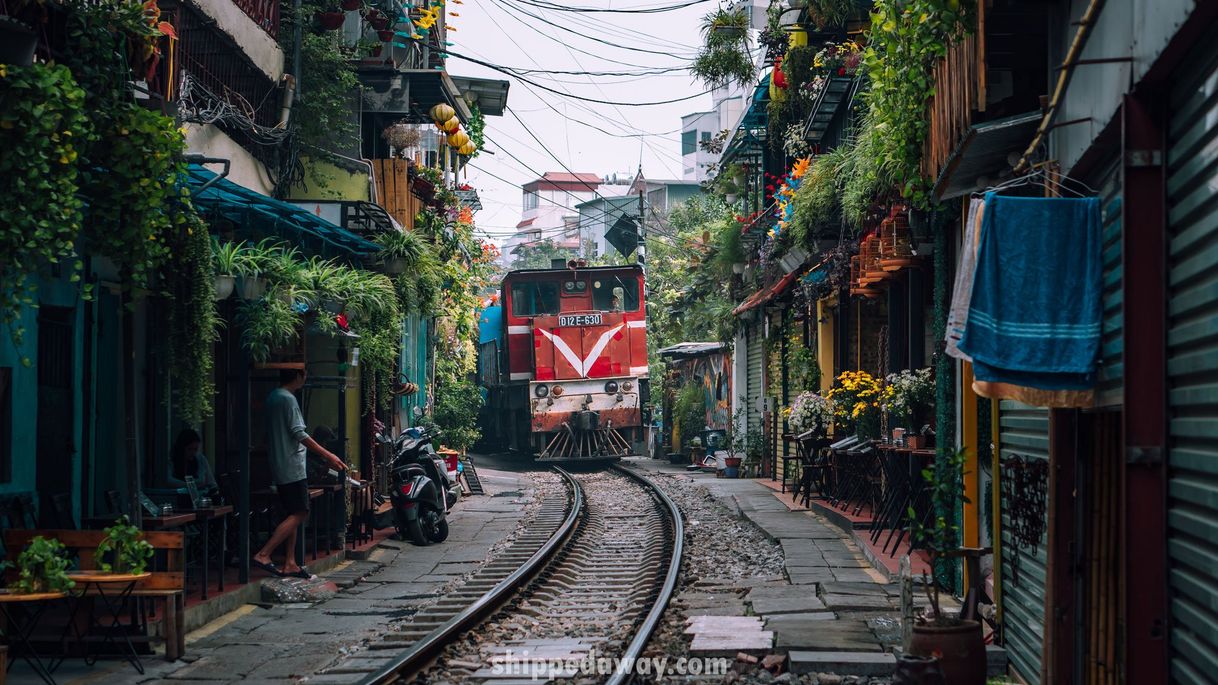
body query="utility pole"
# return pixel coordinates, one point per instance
(642, 247)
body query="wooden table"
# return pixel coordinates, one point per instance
(205, 516)
(361, 506)
(174, 520)
(114, 605)
(18, 633)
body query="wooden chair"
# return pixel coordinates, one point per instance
(167, 582)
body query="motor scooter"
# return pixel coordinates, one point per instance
(420, 491)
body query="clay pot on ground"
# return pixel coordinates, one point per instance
(959, 648)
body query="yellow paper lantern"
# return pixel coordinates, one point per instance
(451, 125)
(458, 139)
(468, 149)
(442, 112)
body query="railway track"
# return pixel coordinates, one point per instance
(590, 579)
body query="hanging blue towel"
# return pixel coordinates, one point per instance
(1035, 314)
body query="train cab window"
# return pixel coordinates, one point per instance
(534, 299)
(615, 294)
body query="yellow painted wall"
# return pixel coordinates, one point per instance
(824, 343)
(327, 181)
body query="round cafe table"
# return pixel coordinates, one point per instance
(20, 627)
(114, 589)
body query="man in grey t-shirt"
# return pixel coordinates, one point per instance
(287, 446)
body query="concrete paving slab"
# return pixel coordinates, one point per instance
(788, 605)
(842, 663)
(869, 588)
(858, 602)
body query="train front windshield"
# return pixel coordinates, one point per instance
(615, 294)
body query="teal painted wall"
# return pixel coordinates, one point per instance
(54, 291)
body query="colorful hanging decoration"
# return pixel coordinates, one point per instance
(784, 195)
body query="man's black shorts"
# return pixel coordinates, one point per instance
(294, 496)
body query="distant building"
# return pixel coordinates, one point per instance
(547, 203)
(597, 216)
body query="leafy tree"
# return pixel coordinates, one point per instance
(537, 255)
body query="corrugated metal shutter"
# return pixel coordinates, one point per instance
(1023, 431)
(1192, 371)
(756, 359)
(1110, 381)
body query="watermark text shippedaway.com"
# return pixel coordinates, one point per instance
(523, 664)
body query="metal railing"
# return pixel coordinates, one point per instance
(265, 14)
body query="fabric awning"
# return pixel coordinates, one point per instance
(249, 208)
(983, 153)
(691, 349)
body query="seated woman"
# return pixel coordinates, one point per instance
(188, 460)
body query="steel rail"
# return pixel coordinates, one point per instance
(421, 653)
(649, 625)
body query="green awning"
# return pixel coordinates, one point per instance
(267, 216)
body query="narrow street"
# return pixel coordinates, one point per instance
(819, 342)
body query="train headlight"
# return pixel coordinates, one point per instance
(541, 391)
(557, 391)
(628, 386)
(611, 387)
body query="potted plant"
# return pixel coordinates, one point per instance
(810, 412)
(226, 258)
(725, 57)
(42, 567)
(331, 18)
(908, 397)
(124, 549)
(689, 411)
(385, 35)
(17, 42)
(377, 20)
(351, 5)
(856, 399)
(957, 643)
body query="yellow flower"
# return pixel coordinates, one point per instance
(3, 70)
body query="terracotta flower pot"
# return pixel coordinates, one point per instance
(959, 648)
(385, 36)
(330, 21)
(377, 20)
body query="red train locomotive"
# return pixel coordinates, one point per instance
(570, 362)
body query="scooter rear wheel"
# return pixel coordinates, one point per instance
(438, 530)
(414, 532)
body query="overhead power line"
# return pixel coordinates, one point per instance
(597, 10)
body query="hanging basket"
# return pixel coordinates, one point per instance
(330, 21)
(394, 266)
(17, 42)
(224, 287)
(351, 5)
(252, 287)
(385, 35)
(376, 20)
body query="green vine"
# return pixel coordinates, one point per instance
(42, 126)
(194, 324)
(907, 37)
(321, 118)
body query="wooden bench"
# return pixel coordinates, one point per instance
(167, 582)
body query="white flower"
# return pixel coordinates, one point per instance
(810, 411)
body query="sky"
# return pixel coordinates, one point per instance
(500, 32)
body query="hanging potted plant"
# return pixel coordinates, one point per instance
(17, 42)
(252, 265)
(400, 251)
(226, 258)
(725, 57)
(41, 567)
(351, 5)
(331, 18)
(957, 643)
(124, 549)
(378, 21)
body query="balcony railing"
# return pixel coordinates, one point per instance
(265, 14)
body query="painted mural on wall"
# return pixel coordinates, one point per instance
(715, 373)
